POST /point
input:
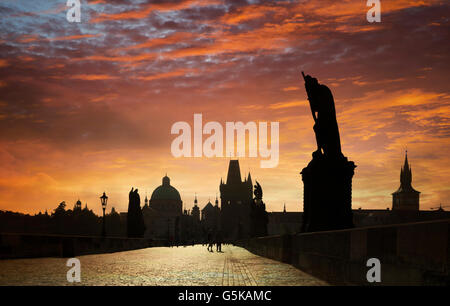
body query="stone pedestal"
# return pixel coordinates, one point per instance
(327, 194)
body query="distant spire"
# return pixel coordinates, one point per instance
(406, 174)
(406, 165)
(195, 200)
(284, 209)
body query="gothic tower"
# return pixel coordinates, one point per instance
(406, 197)
(236, 197)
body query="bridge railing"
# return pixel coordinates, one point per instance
(35, 245)
(413, 253)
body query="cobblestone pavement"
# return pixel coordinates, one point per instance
(191, 266)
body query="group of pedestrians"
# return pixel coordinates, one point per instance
(214, 239)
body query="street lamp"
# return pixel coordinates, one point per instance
(104, 200)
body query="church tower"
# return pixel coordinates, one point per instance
(406, 197)
(196, 210)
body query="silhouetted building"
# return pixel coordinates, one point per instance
(372, 217)
(406, 197)
(284, 222)
(236, 197)
(164, 212)
(152, 222)
(210, 216)
(196, 211)
(191, 228)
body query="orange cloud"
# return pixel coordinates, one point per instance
(291, 88)
(251, 12)
(33, 38)
(3, 63)
(73, 37)
(288, 104)
(164, 75)
(92, 77)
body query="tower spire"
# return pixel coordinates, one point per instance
(406, 197)
(406, 159)
(234, 173)
(405, 174)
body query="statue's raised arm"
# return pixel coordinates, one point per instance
(308, 84)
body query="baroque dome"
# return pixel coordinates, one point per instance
(165, 191)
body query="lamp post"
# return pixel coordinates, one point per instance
(104, 200)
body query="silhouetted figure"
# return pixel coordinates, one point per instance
(135, 219)
(324, 114)
(219, 241)
(210, 242)
(327, 192)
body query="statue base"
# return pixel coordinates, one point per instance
(327, 193)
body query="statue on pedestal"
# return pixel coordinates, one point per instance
(328, 177)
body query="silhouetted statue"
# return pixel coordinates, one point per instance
(324, 114)
(137, 198)
(135, 219)
(130, 197)
(258, 215)
(258, 191)
(327, 192)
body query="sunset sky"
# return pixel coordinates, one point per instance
(88, 107)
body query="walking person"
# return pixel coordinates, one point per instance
(210, 242)
(218, 242)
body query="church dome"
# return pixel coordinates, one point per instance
(165, 191)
